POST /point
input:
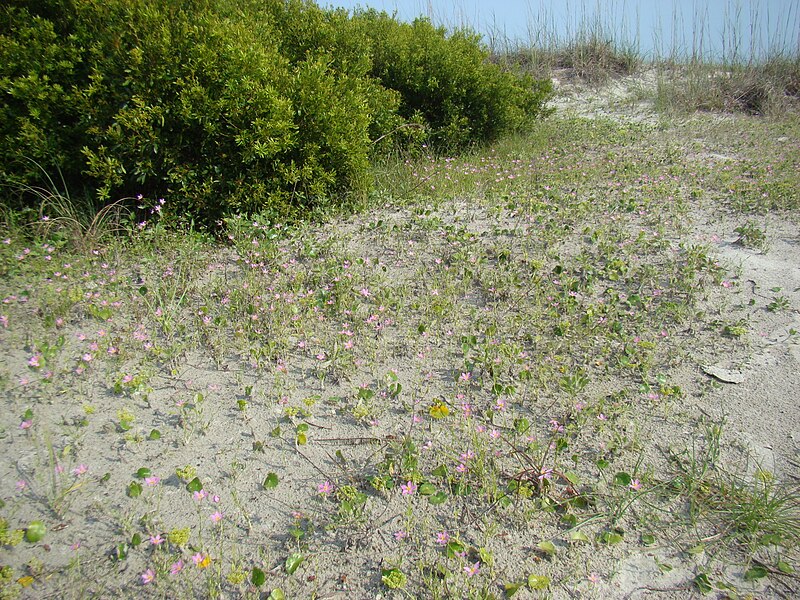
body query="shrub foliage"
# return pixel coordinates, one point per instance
(227, 106)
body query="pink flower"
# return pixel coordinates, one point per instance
(408, 489)
(35, 361)
(465, 377)
(400, 535)
(26, 424)
(325, 488)
(176, 568)
(442, 538)
(200, 495)
(594, 578)
(216, 517)
(80, 470)
(148, 576)
(198, 558)
(156, 539)
(21, 485)
(472, 570)
(635, 485)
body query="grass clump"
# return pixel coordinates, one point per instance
(759, 88)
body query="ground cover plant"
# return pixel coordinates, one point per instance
(559, 365)
(484, 385)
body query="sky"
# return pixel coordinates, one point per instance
(713, 28)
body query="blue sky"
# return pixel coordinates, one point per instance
(659, 26)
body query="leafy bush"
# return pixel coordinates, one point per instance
(227, 106)
(447, 83)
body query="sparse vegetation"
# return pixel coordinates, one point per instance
(483, 383)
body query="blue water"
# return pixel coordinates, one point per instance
(729, 29)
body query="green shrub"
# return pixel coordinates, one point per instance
(228, 106)
(447, 83)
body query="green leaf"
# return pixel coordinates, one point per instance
(35, 531)
(258, 577)
(155, 434)
(578, 536)
(143, 472)
(293, 561)
(694, 550)
(755, 573)
(785, 567)
(622, 478)
(195, 485)
(134, 489)
(547, 547)
(271, 481)
(611, 538)
(438, 498)
(511, 588)
(648, 539)
(275, 432)
(703, 584)
(664, 567)
(602, 464)
(538, 582)
(454, 548)
(136, 540)
(426, 489)
(120, 552)
(276, 594)
(301, 439)
(569, 519)
(393, 578)
(440, 471)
